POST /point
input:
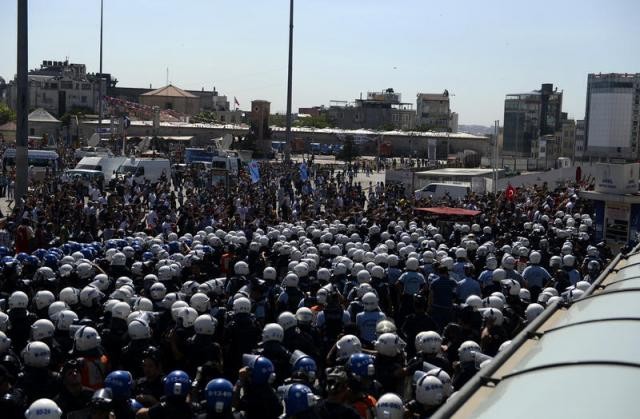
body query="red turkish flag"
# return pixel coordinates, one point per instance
(510, 193)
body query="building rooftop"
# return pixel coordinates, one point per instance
(41, 115)
(169, 91)
(355, 132)
(454, 171)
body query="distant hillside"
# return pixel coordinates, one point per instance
(476, 129)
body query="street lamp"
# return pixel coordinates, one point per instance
(287, 148)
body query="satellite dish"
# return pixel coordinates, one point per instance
(94, 140)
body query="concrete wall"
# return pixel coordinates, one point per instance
(555, 177)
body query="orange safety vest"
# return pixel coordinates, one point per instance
(366, 407)
(94, 370)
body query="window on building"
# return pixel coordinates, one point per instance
(32, 131)
(83, 99)
(66, 85)
(168, 105)
(86, 86)
(53, 86)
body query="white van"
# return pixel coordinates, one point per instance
(145, 169)
(439, 190)
(107, 165)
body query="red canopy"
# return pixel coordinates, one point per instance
(450, 211)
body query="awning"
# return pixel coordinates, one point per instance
(450, 211)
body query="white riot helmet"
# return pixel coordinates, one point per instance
(511, 287)
(429, 391)
(241, 268)
(304, 315)
(389, 344)
(474, 301)
(5, 343)
(532, 311)
(525, 295)
(364, 277)
(119, 259)
(18, 299)
(42, 329)
(466, 351)
(508, 262)
(242, 305)
(4, 321)
(370, 301)
(200, 302)
(36, 354)
(287, 320)
(291, 280)
(187, 315)
(269, 273)
(55, 308)
(157, 291)
(389, 406)
(101, 282)
(69, 295)
(347, 346)
(43, 299)
(139, 329)
(142, 304)
(444, 378)
(65, 319)
(121, 311)
(86, 338)
(84, 270)
(491, 263)
(498, 275)
(90, 296)
(493, 315)
(272, 332)
(412, 264)
(535, 257)
(385, 326)
(205, 324)
(165, 273)
(43, 409)
(428, 343)
(568, 260)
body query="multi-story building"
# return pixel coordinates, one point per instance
(580, 134)
(453, 122)
(528, 116)
(568, 139)
(58, 87)
(433, 111)
(380, 110)
(208, 100)
(613, 116)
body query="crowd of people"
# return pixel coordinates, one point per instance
(301, 294)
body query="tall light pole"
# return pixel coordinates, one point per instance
(100, 78)
(22, 102)
(287, 146)
(495, 156)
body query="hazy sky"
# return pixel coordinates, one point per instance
(478, 50)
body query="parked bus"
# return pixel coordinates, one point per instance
(39, 162)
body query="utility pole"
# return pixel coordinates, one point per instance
(287, 146)
(100, 78)
(495, 157)
(22, 121)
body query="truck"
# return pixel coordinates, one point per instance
(145, 169)
(105, 164)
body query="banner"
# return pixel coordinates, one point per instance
(304, 173)
(254, 171)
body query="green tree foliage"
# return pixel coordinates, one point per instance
(349, 151)
(313, 122)
(79, 111)
(6, 114)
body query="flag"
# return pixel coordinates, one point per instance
(235, 100)
(304, 173)
(510, 193)
(254, 171)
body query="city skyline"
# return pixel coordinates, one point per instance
(340, 50)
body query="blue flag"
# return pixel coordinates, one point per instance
(304, 173)
(254, 171)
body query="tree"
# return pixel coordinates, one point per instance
(6, 114)
(278, 120)
(349, 151)
(80, 111)
(319, 121)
